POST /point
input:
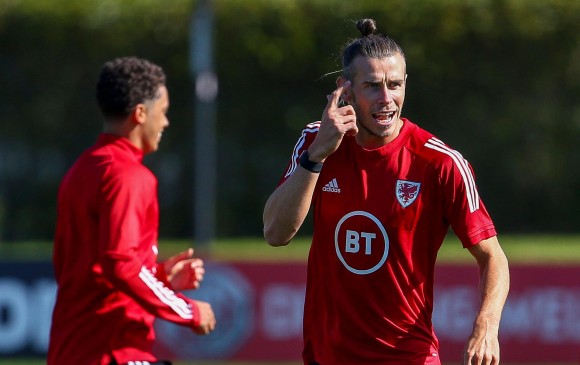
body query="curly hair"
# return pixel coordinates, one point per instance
(125, 82)
(369, 44)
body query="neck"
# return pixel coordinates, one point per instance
(124, 129)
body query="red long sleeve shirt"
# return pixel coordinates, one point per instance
(110, 287)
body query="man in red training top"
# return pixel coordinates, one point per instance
(384, 193)
(110, 286)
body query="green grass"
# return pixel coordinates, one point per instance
(545, 249)
(552, 249)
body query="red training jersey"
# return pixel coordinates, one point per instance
(380, 216)
(110, 287)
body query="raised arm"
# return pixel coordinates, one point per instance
(288, 206)
(483, 344)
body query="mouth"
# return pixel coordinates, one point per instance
(384, 117)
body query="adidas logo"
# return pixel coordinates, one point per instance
(331, 187)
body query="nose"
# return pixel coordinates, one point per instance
(386, 96)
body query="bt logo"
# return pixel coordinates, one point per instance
(364, 250)
(353, 241)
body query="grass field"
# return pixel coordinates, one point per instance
(522, 249)
(545, 249)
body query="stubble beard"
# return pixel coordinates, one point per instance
(381, 134)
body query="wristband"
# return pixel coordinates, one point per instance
(305, 162)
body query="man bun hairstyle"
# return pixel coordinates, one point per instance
(366, 26)
(369, 44)
(125, 82)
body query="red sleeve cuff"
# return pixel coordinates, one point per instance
(161, 275)
(480, 235)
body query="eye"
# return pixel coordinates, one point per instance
(395, 85)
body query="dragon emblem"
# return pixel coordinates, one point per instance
(407, 192)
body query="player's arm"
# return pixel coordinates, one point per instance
(124, 201)
(483, 345)
(127, 274)
(288, 206)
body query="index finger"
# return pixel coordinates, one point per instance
(334, 97)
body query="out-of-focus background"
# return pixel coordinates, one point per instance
(499, 80)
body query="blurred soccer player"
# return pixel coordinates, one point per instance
(110, 286)
(384, 194)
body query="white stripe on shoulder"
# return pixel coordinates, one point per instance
(464, 163)
(314, 126)
(310, 128)
(166, 295)
(464, 170)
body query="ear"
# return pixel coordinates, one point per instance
(139, 114)
(347, 92)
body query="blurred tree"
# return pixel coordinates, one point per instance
(497, 79)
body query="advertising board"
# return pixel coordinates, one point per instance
(259, 309)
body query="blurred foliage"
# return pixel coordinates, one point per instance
(497, 79)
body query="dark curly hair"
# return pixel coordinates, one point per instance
(125, 82)
(369, 44)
